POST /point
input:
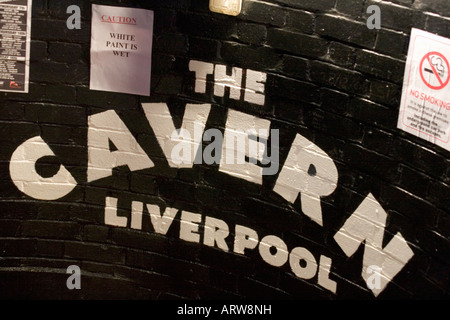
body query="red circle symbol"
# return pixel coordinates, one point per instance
(434, 70)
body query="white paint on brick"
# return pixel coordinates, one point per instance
(111, 217)
(302, 254)
(22, 168)
(294, 177)
(179, 146)
(201, 69)
(189, 226)
(137, 208)
(245, 238)
(324, 273)
(103, 128)
(254, 87)
(255, 81)
(281, 254)
(161, 222)
(222, 81)
(237, 145)
(216, 231)
(367, 224)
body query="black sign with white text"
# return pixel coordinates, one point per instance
(15, 18)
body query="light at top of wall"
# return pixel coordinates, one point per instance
(229, 7)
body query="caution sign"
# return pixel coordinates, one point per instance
(425, 104)
(121, 49)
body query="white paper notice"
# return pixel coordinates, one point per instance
(121, 49)
(425, 104)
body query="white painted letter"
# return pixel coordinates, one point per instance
(22, 169)
(324, 272)
(189, 226)
(310, 171)
(222, 80)
(111, 217)
(255, 85)
(161, 223)
(136, 214)
(194, 122)
(201, 69)
(367, 225)
(107, 127)
(277, 258)
(216, 231)
(233, 157)
(309, 269)
(245, 238)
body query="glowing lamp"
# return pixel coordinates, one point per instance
(229, 7)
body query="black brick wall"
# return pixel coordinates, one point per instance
(329, 78)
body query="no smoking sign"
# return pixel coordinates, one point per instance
(434, 70)
(425, 105)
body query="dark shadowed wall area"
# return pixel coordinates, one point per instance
(357, 209)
